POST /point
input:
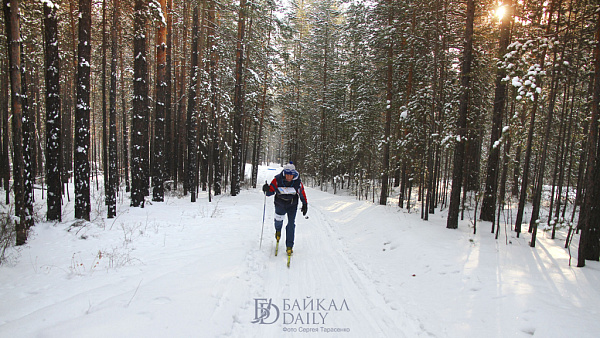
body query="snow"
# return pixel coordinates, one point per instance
(182, 269)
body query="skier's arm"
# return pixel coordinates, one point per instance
(302, 194)
(272, 188)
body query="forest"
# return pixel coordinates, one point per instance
(488, 106)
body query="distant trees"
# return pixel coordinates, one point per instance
(532, 111)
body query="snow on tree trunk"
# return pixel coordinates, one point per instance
(53, 116)
(82, 114)
(138, 132)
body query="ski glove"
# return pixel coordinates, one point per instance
(304, 209)
(265, 188)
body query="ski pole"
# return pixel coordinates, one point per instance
(263, 222)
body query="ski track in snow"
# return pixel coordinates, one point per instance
(320, 269)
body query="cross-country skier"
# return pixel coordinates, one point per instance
(288, 188)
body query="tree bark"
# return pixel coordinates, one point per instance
(53, 116)
(111, 198)
(488, 205)
(159, 166)
(12, 19)
(459, 150)
(82, 114)
(588, 221)
(238, 102)
(105, 123)
(5, 137)
(139, 107)
(385, 165)
(192, 114)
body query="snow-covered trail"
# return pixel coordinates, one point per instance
(321, 272)
(181, 269)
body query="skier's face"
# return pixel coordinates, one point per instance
(288, 177)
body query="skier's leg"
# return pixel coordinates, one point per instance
(279, 216)
(290, 228)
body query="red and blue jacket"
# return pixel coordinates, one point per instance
(287, 193)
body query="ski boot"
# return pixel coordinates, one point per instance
(277, 237)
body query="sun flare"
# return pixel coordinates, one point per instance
(500, 11)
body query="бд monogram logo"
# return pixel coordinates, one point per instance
(263, 313)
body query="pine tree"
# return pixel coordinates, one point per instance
(13, 28)
(589, 247)
(82, 114)
(192, 113)
(491, 184)
(461, 128)
(238, 114)
(53, 115)
(111, 198)
(159, 167)
(388, 114)
(138, 118)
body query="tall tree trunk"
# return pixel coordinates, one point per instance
(169, 120)
(53, 116)
(588, 221)
(214, 166)
(5, 138)
(105, 123)
(192, 114)
(138, 131)
(459, 150)
(124, 118)
(28, 141)
(111, 198)
(385, 165)
(159, 167)
(82, 114)
(12, 20)
(488, 205)
(238, 104)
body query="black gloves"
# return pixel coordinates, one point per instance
(265, 188)
(304, 209)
